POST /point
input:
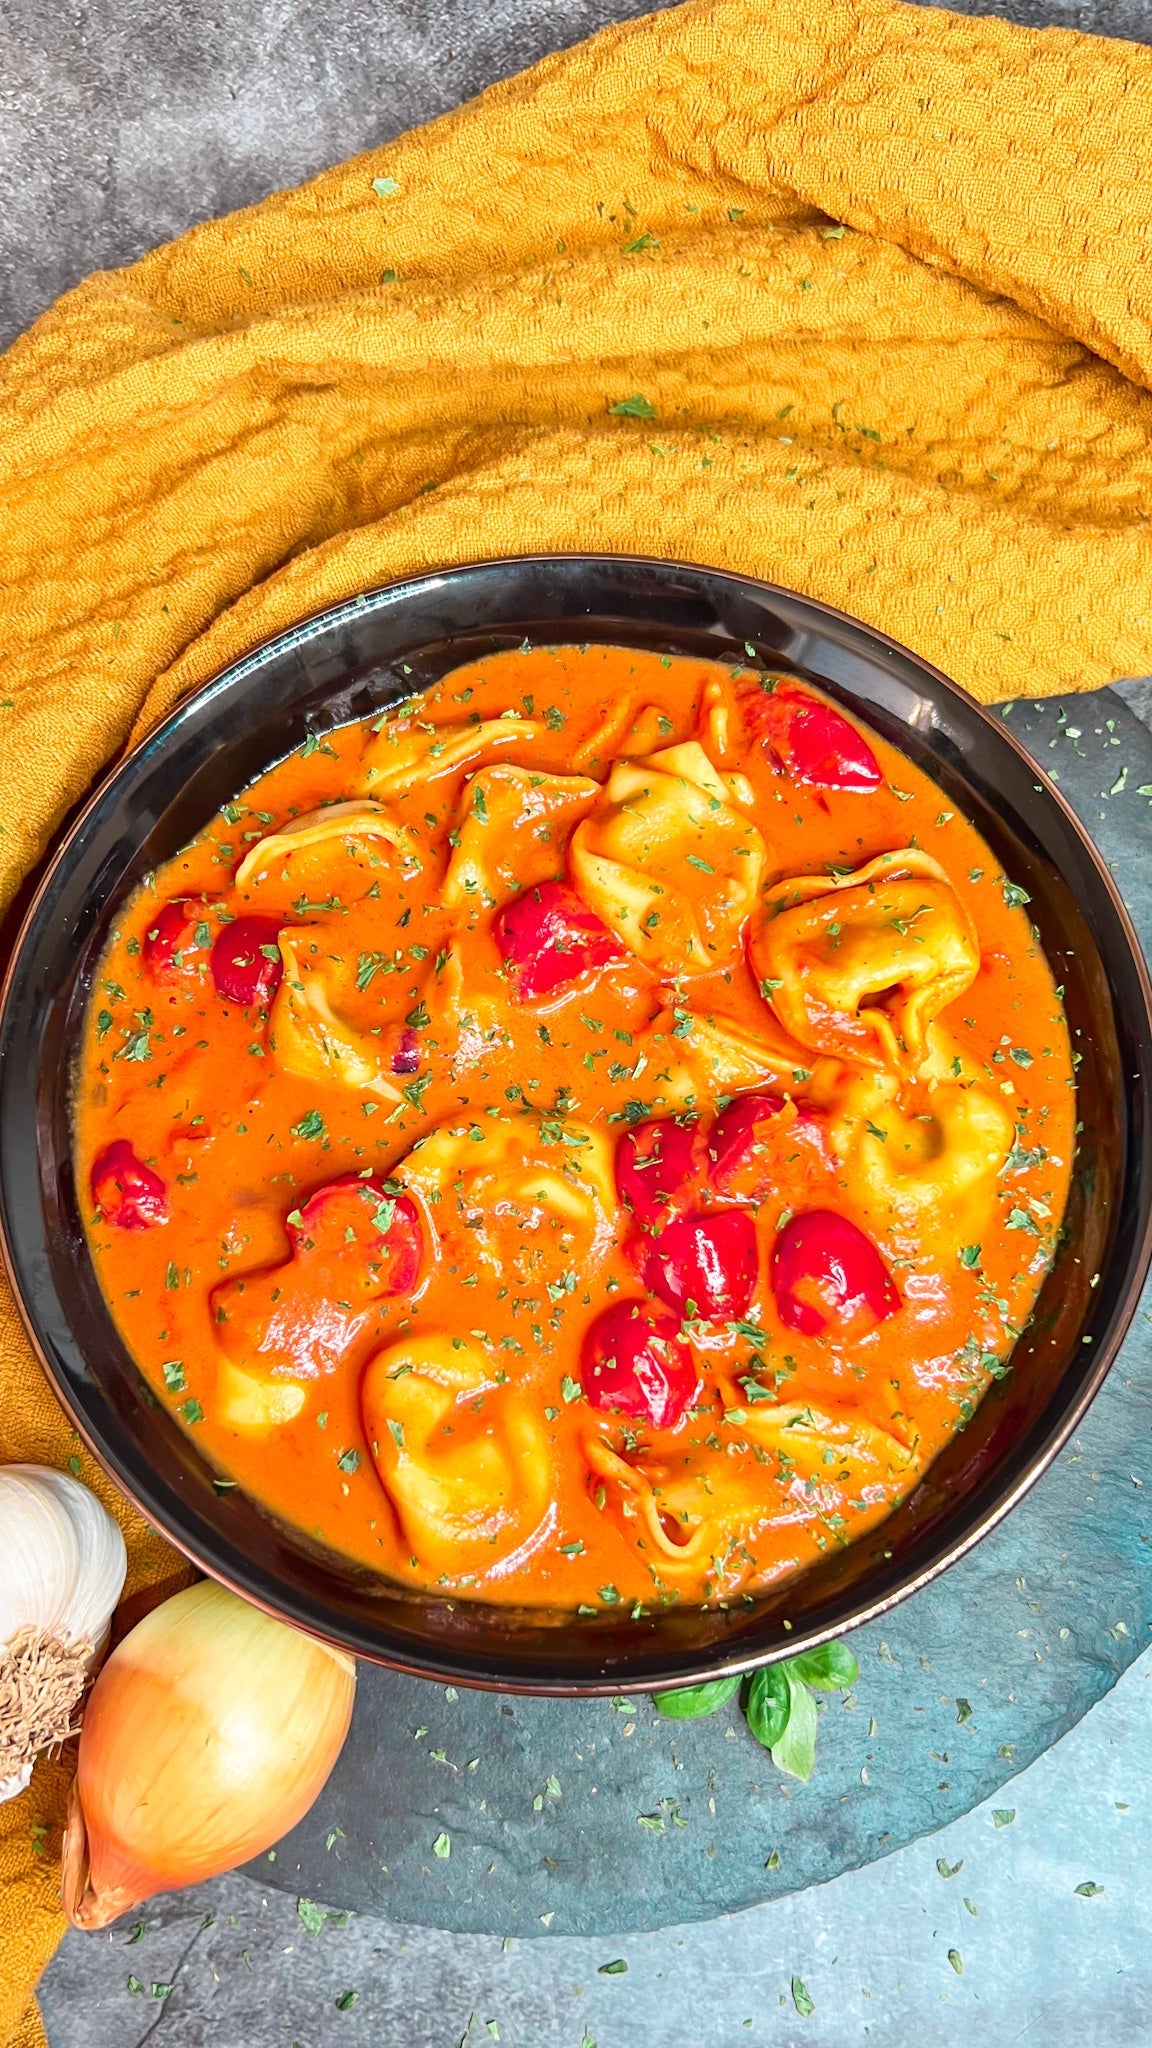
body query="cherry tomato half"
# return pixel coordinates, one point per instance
(758, 1146)
(737, 1130)
(702, 1265)
(653, 1161)
(170, 943)
(548, 938)
(246, 963)
(824, 1269)
(812, 741)
(355, 1210)
(636, 1363)
(126, 1192)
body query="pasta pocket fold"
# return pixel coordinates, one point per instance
(929, 1170)
(624, 731)
(351, 1247)
(830, 1446)
(403, 754)
(512, 830)
(347, 827)
(464, 1460)
(708, 1056)
(785, 1463)
(308, 1038)
(670, 862)
(549, 1183)
(858, 965)
(255, 1405)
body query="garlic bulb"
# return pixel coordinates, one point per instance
(62, 1566)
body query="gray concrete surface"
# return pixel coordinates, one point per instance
(122, 122)
(976, 1938)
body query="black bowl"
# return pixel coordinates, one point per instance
(349, 662)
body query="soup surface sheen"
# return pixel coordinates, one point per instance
(588, 1138)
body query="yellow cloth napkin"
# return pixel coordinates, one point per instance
(851, 295)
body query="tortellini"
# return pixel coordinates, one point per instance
(831, 1446)
(462, 1457)
(931, 1171)
(346, 824)
(401, 753)
(624, 732)
(253, 1405)
(511, 832)
(669, 862)
(699, 1512)
(858, 965)
(721, 725)
(706, 1057)
(556, 1179)
(309, 1039)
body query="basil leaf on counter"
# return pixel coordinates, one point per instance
(692, 1702)
(794, 1750)
(769, 1704)
(831, 1668)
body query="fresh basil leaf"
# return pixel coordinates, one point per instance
(831, 1668)
(692, 1702)
(794, 1750)
(769, 1704)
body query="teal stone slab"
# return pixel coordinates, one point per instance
(658, 1822)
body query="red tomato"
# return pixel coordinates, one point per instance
(734, 1135)
(636, 1363)
(653, 1161)
(811, 741)
(352, 1210)
(702, 1265)
(246, 963)
(753, 1150)
(548, 937)
(125, 1191)
(824, 1269)
(171, 938)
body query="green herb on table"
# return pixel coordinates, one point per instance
(778, 1702)
(802, 1998)
(692, 1702)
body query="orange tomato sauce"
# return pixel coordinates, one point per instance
(600, 1177)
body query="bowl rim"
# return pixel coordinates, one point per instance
(445, 1661)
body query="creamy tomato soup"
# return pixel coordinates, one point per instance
(588, 1137)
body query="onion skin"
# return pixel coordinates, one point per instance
(209, 1733)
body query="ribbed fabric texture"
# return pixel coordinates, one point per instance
(851, 295)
